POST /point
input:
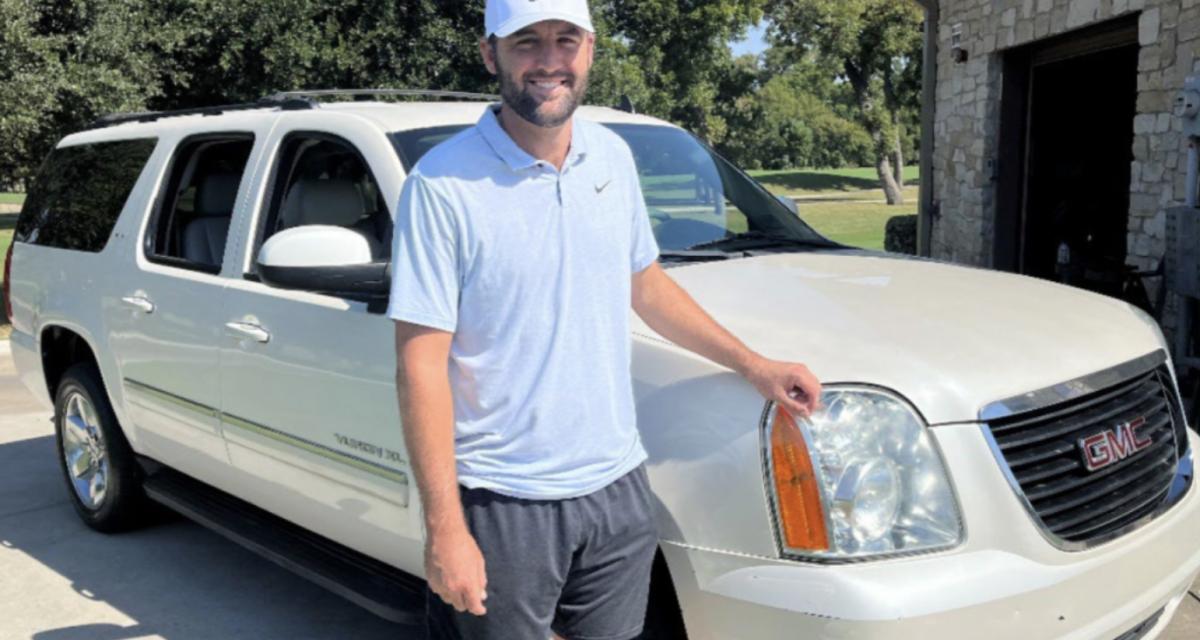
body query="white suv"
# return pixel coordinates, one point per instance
(200, 296)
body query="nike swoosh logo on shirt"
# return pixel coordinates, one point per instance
(600, 189)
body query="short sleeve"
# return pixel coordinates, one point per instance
(643, 250)
(425, 258)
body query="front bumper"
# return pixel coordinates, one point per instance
(1006, 581)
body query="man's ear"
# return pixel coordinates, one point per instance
(489, 55)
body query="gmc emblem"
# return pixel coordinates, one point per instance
(1113, 445)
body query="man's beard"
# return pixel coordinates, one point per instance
(517, 97)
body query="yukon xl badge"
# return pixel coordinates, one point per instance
(1114, 445)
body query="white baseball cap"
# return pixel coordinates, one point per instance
(505, 17)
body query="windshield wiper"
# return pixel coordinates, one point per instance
(759, 239)
(695, 254)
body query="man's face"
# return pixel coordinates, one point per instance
(543, 70)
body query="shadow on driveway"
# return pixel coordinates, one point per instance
(173, 580)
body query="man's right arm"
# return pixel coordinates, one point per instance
(454, 566)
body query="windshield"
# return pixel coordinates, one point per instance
(694, 196)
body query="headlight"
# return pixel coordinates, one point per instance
(860, 478)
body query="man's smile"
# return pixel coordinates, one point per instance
(547, 88)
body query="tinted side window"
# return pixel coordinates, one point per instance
(322, 179)
(415, 143)
(79, 193)
(195, 205)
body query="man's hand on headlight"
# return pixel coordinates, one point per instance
(789, 384)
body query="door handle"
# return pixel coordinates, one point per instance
(139, 302)
(247, 330)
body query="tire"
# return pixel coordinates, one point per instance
(103, 478)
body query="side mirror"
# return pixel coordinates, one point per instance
(324, 259)
(790, 203)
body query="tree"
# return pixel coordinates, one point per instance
(62, 64)
(875, 47)
(65, 63)
(791, 115)
(669, 56)
(239, 50)
(225, 51)
(29, 72)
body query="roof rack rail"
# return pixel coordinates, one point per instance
(286, 100)
(286, 103)
(357, 93)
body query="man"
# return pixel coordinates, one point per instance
(520, 244)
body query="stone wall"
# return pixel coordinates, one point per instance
(968, 113)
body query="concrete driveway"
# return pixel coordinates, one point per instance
(62, 581)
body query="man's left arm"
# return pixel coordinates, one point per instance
(670, 311)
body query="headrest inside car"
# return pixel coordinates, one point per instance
(216, 193)
(332, 202)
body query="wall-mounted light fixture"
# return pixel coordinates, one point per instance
(957, 52)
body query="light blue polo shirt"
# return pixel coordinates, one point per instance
(531, 269)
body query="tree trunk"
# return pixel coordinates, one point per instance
(887, 179)
(898, 169)
(876, 123)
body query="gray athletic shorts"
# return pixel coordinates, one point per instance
(579, 567)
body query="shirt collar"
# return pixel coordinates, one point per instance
(516, 157)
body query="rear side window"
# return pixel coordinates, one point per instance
(190, 224)
(80, 191)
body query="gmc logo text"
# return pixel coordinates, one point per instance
(1114, 445)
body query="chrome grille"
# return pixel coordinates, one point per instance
(1043, 452)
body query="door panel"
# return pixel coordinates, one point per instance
(311, 412)
(164, 326)
(169, 368)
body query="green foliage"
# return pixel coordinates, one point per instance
(874, 46)
(795, 119)
(62, 64)
(670, 57)
(900, 234)
(222, 51)
(28, 72)
(65, 62)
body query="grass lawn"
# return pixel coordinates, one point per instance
(859, 224)
(7, 223)
(12, 198)
(809, 181)
(846, 205)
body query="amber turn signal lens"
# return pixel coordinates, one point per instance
(798, 497)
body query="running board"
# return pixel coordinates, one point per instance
(380, 588)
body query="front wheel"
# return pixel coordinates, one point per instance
(102, 474)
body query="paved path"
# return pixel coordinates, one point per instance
(175, 581)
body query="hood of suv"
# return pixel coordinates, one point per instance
(949, 338)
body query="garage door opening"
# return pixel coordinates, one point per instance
(1068, 124)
